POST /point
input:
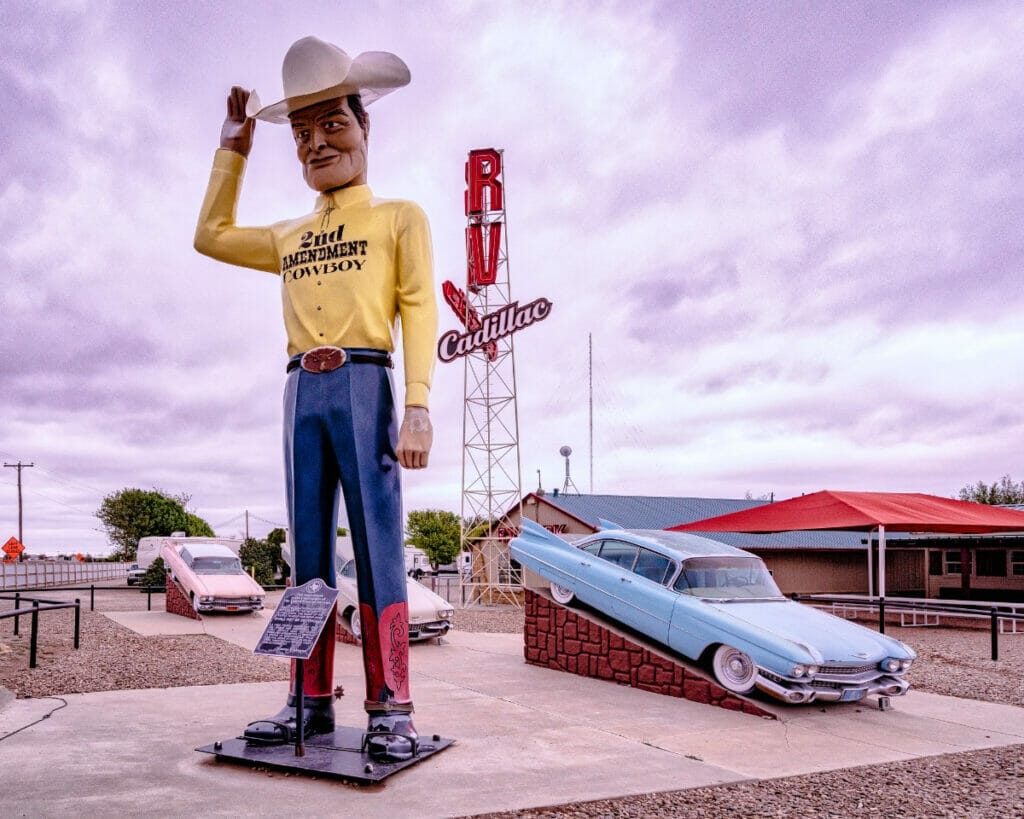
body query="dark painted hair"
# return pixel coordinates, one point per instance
(355, 105)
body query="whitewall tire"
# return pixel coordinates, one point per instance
(734, 670)
(562, 595)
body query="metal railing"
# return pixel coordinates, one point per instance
(996, 613)
(461, 592)
(38, 605)
(149, 591)
(47, 573)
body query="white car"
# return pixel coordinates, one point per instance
(135, 574)
(429, 615)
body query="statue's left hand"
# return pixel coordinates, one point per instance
(415, 438)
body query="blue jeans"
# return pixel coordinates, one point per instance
(340, 434)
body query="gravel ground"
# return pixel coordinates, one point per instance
(988, 783)
(112, 657)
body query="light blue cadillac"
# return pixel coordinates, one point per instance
(717, 605)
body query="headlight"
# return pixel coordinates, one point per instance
(444, 614)
(205, 599)
(905, 665)
(812, 670)
(891, 665)
(798, 671)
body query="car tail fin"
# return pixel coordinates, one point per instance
(533, 532)
(604, 525)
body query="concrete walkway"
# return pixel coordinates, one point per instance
(526, 737)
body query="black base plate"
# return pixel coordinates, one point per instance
(336, 755)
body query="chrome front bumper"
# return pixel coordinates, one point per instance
(798, 693)
(229, 604)
(427, 631)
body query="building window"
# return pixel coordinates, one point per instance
(934, 563)
(1017, 563)
(510, 573)
(991, 563)
(951, 562)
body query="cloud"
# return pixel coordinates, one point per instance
(792, 237)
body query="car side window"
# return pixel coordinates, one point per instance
(682, 583)
(619, 553)
(652, 566)
(592, 548)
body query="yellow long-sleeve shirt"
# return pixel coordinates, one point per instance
(347, 269)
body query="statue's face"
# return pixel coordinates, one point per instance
(331, 145)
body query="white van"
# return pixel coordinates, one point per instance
(149, 547)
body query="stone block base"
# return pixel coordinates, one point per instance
(178, 602)
(566, 640)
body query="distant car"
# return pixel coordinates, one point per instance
(717, 605)
(135, 574)
(429, 614)
(213, 578)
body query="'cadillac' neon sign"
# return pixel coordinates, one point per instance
(484, 197)
(492, 327)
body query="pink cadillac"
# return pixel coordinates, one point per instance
(212, 576)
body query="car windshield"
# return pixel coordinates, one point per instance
(725, 578)
(217, 565)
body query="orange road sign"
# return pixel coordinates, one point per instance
(12, 548)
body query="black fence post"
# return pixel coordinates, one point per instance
(881, 615)
(92, 597)
(17, 605)
(149, 598)
(78, 619)
(995, 633)
(35, 635)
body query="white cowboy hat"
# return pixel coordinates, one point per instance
(314, 71)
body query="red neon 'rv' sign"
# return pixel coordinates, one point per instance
(484, 197)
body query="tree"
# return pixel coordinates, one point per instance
(1002, 491)
(275, 540)
(261, 558)
(131, 514)
(436, 532)
(156, 574)
(195, 526)
(276, 537)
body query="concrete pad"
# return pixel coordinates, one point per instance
(526, 737)
(156, 623)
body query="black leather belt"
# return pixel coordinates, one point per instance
(328, 359)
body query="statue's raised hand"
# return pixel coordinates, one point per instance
(236, 133)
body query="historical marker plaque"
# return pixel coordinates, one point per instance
(297, 621)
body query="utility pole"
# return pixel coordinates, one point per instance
(19, 466)
(246, 524)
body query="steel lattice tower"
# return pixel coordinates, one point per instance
(491, 478)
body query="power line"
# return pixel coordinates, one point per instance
(36, 494)
(56, 476)
(271, 522)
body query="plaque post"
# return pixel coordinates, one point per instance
(300, 706)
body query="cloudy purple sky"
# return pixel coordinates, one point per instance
(794, 230)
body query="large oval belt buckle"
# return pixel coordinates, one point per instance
(323, 359)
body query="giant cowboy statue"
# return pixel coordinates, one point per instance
(348, 270)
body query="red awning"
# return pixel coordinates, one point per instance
(896, 511)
